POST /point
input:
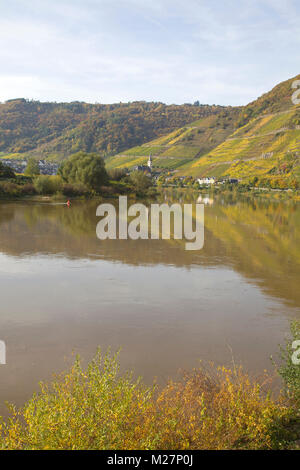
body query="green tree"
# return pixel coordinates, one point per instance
(140, 182)
(45, 184)
(32, 168)
(116, 174)
(6, 171)
(86, 168)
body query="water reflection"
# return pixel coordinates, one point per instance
(261, 240)
(205, 200)
(62, 289)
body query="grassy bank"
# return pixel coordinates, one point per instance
(99, 408)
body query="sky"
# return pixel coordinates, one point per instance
(225, 52)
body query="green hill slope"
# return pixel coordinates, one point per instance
(261, 139)
(182, 145)
(267, 147)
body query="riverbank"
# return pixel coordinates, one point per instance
(53, 188)
(23, 188)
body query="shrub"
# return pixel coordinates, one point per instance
(227, 411)
(28, 189)
(73, 190)
(96, 408)
(45, 184)
(100, 408)
(10, 189)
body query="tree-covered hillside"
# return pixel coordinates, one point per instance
(56, 130)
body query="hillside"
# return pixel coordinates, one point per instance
(261, 139)
(182, 145)
(56, 130)
(266, 147)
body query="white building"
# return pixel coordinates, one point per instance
(206, 181)
(150, 162)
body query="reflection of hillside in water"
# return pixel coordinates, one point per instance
(259, 240)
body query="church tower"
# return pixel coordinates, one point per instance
(150, 162)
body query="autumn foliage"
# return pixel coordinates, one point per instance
(100, 408)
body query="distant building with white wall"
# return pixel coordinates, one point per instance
(206, 181)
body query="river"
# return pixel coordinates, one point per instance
(63, 291)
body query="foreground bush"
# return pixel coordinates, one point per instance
(85, 409)
(99, 408)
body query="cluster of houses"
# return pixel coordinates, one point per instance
(206, 181)
(48, 168)
(19, 166)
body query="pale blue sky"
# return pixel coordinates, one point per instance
(175, 51)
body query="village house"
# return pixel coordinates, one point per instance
(142, 168)
(206, 181)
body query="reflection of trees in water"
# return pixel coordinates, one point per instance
(6, 214)
(259, 239)
(263, 242)
(32, 215)
(79, 219)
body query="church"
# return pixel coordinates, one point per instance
(144, 168)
